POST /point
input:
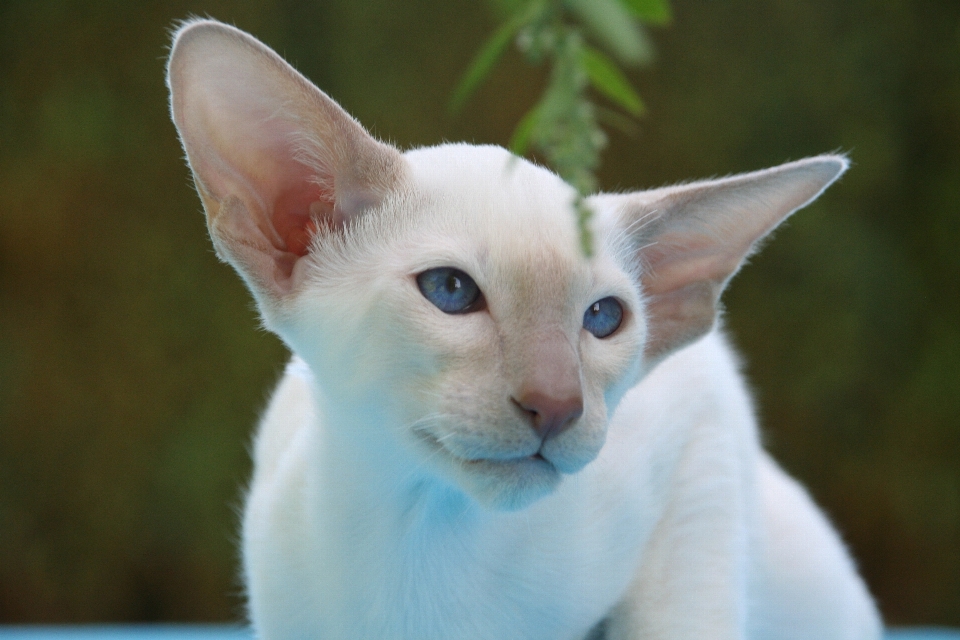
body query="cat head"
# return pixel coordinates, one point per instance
(441, 296)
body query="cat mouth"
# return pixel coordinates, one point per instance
(535, 460)
(500, 482)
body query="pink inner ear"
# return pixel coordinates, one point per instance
(262, 147)
(299, 212)
(677, 260)
(285, 197)
(297, 205)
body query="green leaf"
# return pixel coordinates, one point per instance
(487, 57)
(520, 139)
(607, 78)
(618, 121)
(652, 11)
(584, 216)
(615, 27)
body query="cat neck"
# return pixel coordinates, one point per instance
(363, 470)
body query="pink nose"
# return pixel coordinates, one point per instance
(549, 416)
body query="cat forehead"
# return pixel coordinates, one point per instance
(512, 225)
(483, 199)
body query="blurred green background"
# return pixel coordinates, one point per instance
(132, 368)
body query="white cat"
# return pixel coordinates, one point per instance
(485, 433)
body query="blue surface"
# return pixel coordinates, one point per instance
(220, 632)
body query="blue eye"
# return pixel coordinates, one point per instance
(603, 317)
(450, 290)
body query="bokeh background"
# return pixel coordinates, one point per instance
(132, 368)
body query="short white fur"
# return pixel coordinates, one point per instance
(404, 484)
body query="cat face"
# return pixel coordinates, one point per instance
(508, 393)
(440, 296)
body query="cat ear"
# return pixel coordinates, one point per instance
(274, 159)
(691, 239)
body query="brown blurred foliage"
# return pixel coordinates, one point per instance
(132, 367)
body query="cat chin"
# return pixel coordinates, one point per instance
(508, 485)
(502, 485)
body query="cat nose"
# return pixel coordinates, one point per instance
(550, 392)
(550, 416)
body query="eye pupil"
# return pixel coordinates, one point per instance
(453, 283)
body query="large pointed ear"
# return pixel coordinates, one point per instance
(691, 239)
(274, 159)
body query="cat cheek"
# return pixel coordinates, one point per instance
(614, 366)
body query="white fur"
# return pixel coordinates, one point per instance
(396, 493)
